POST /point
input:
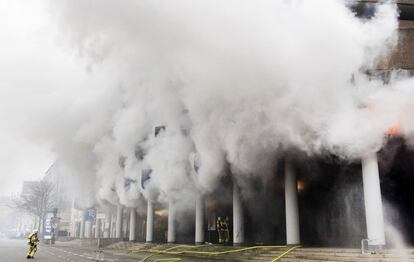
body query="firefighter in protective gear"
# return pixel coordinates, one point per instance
(226, 232)
(219, 230)
(33, 240)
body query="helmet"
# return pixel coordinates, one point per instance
(35, 231)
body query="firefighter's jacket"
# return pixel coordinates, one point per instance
(222, 225)
(219, 225)
(33, 239)
(225, 225)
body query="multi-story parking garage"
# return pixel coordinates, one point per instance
(311, 200)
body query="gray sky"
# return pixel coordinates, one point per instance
(34, 65)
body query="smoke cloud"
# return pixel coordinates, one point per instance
(235, 83)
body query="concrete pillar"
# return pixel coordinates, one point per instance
(98, 228)
(132, 223)
(82, 227)
(373, 202)
(291, 206)
(72, 228)
(88, 229)
(171, 222)
(150, 221)
(126, 224)
(72, 220)
(112, 227)
(199, 220)
(118, 232)
(238, 220)
(107, 225)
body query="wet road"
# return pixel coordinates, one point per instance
(15, 250)
(12, 250)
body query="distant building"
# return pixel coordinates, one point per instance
(58, 176)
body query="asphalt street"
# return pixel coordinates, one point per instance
(12, 250)
(15, 250)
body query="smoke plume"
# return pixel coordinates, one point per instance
(235, 84)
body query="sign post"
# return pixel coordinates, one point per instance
(48, 232)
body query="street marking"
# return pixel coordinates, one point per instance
(168, 259)
(84, 255)
(209, 252)
(285, 253)
(168, 249)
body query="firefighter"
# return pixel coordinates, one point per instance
(33, 240)
(226, 232)
(219, 227)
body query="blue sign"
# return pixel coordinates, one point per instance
(90, 214)
(47, 234)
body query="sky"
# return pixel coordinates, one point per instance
(34, 67)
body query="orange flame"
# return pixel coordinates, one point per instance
(161, 213)
(300, 185)
(394, 130)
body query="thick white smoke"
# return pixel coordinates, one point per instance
(235, 82)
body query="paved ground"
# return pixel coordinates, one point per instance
(12, 250)
(15, 251)
(74, 251)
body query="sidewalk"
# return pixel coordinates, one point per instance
(174, 252)
(206, 252)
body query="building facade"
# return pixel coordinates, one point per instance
(313, 201)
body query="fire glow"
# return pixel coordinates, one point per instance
(394, 131)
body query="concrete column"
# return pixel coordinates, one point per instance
(107, 225)
(72, 228)
(132, 223)
(171, 222)
(118, 232)
(88, 229)
(373, 202)
(238, 220)
(72, 220)
(112, 227)
(98, 228)
(291, 206)
(150, 221)
(82, 227)
(199, 220)
(127, 222)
